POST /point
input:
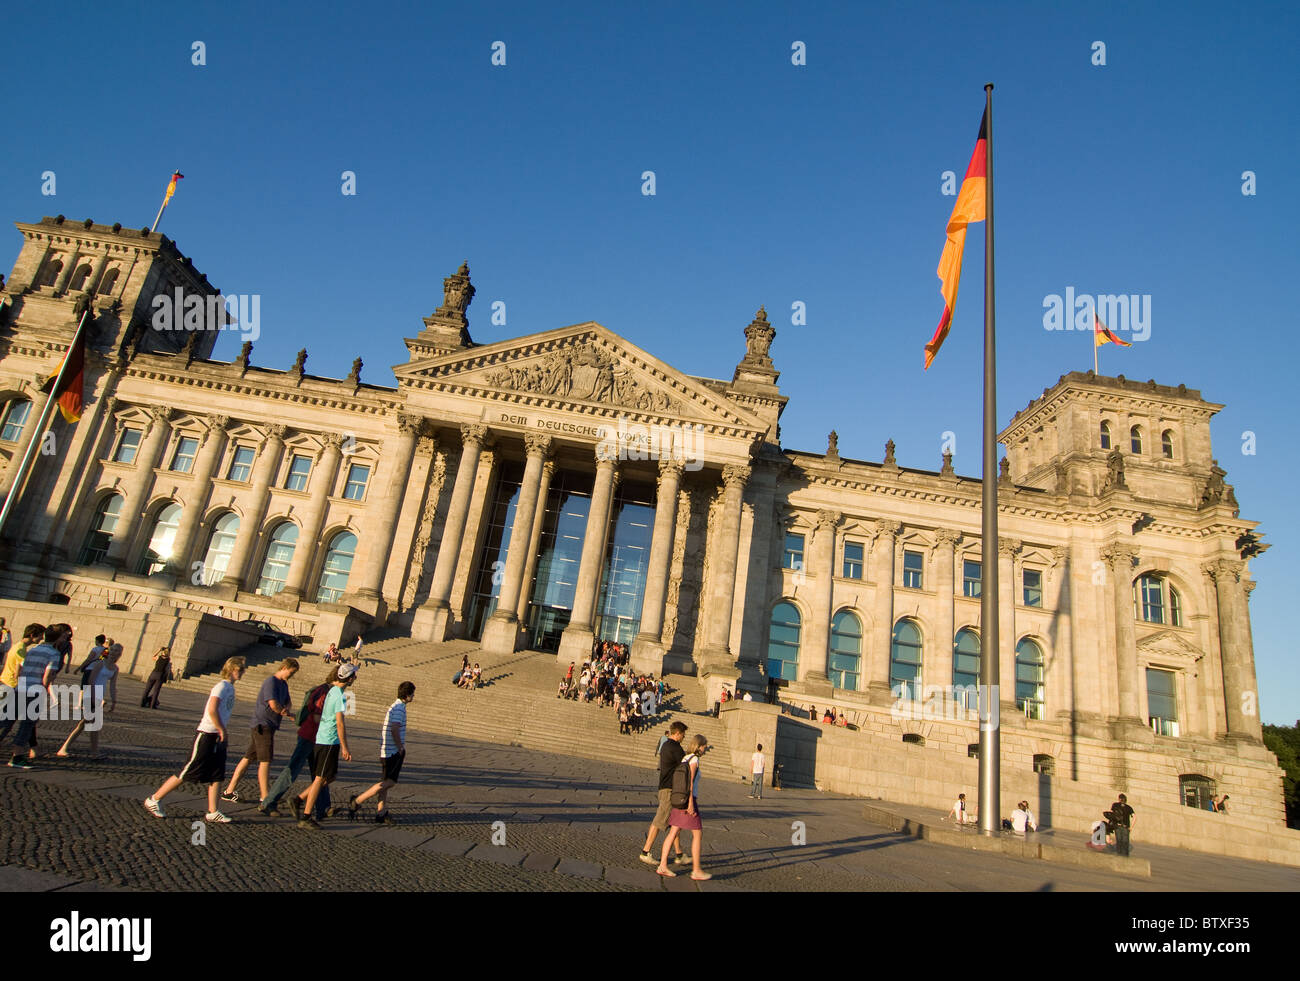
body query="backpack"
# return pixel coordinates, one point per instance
(305, 711)
(681, 792)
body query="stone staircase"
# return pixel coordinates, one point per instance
(516, 706)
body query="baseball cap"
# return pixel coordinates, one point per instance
(346, 671)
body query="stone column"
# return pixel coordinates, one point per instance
(1241, 699)
(1120, 558)
(882, 549)
(39, 401)
(575, 642)
(814, 658)
(1008, 549)
(250, 525)
(535, 542)
(716, 656)
(68, 536)
(501, 632)
(433, 621)
(78, 464)
(214, 442)
(387, 508)
(136, 487)
(647, 648)
(313, 515)
(946, 540)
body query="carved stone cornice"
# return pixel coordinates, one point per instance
(1010, 546)
(828, 520)
(947, 536)
(409, 425)
(537, 444)
(217, 424)
(669, 467)
(159, 415)
(333, 441)
(888, 528)
(276, 430)
(1120, 556)
(474, 432)
(1225, 570)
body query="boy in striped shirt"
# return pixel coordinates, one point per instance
(392, 751)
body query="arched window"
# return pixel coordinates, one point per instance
(1167, 444)
(279, 555)
(79, 278)
(220, 547)
(15, 418)
(161, 542)
(846, 650)
(1156, 601)
(50, 274)
(338, 563)
(783, 642)
(1029, 679)
(1044, 765)
(108, 281)
(102, 526)
(1135, 439)
(966, 669)
(905, 660)
(1105, 435)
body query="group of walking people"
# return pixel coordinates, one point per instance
(322, 741)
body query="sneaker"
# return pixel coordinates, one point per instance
(297, 804)
(216, 817)
(229, 795)
(648, 858)
(154, 808)
(308, 823)
(682, 859)
(271, 812)
(328, 812)
(385, 818)
(354, 808)
(21, 763)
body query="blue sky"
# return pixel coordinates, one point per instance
(775, 183)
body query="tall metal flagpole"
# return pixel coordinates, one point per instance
(29, 457)
(990, 789)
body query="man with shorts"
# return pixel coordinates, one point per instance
(40, 665)
(272, 706)
(669, 756)
(207, 762)
(392, 752)
(331, 743)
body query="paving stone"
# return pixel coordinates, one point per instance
(644, 878)
(501, 854)
(447, 846)
(404, 837)
(15, 878)
(587, 870)
(541, 862)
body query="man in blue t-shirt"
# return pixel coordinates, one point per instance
(331, 743)
(272, 706)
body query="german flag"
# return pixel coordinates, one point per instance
(1101, 334)
(70, 393)
(970, 206)
(171, 187)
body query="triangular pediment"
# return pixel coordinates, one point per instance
(1169, 644)
(584, 368)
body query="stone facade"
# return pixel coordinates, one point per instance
(333, 505)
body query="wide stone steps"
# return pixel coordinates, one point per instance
(517, 706)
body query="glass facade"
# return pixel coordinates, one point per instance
(486, 585)
(783, 643)
(618, 609)
(564, 528)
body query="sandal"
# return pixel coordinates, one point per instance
(701, 876)
(667, 873)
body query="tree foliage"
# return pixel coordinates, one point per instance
(1284, 743)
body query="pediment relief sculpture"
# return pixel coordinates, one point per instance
(583, 373)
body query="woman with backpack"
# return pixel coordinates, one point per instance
(685, 814)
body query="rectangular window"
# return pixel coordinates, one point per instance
(1162, 702)
(127, 445)
(187, 447)
(15, 418)
(1033, 587)
(241, 464)
(971, 579)
(355, 489)
(299, 470)
(912, 570)
(793, 558)
(852, 560)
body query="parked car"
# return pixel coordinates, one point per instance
(269, 635)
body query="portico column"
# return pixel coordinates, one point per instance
(501, 632)
(136, 487)
(322, 482)
(39, 401)
(1120, 558)
(250, 525)
(648, 648)
(815, 657)
(882, 549)
(433, 621)
(946, 540)
(380, 543)
(535, 541)
(1007, 551)
(1241, 700)
(716, 656)
(575, 642)
(214, 442)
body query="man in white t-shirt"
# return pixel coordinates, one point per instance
(756, 769)
(958, 812)
(1022, 819)
(748, 697)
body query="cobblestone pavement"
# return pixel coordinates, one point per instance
(568, 824)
